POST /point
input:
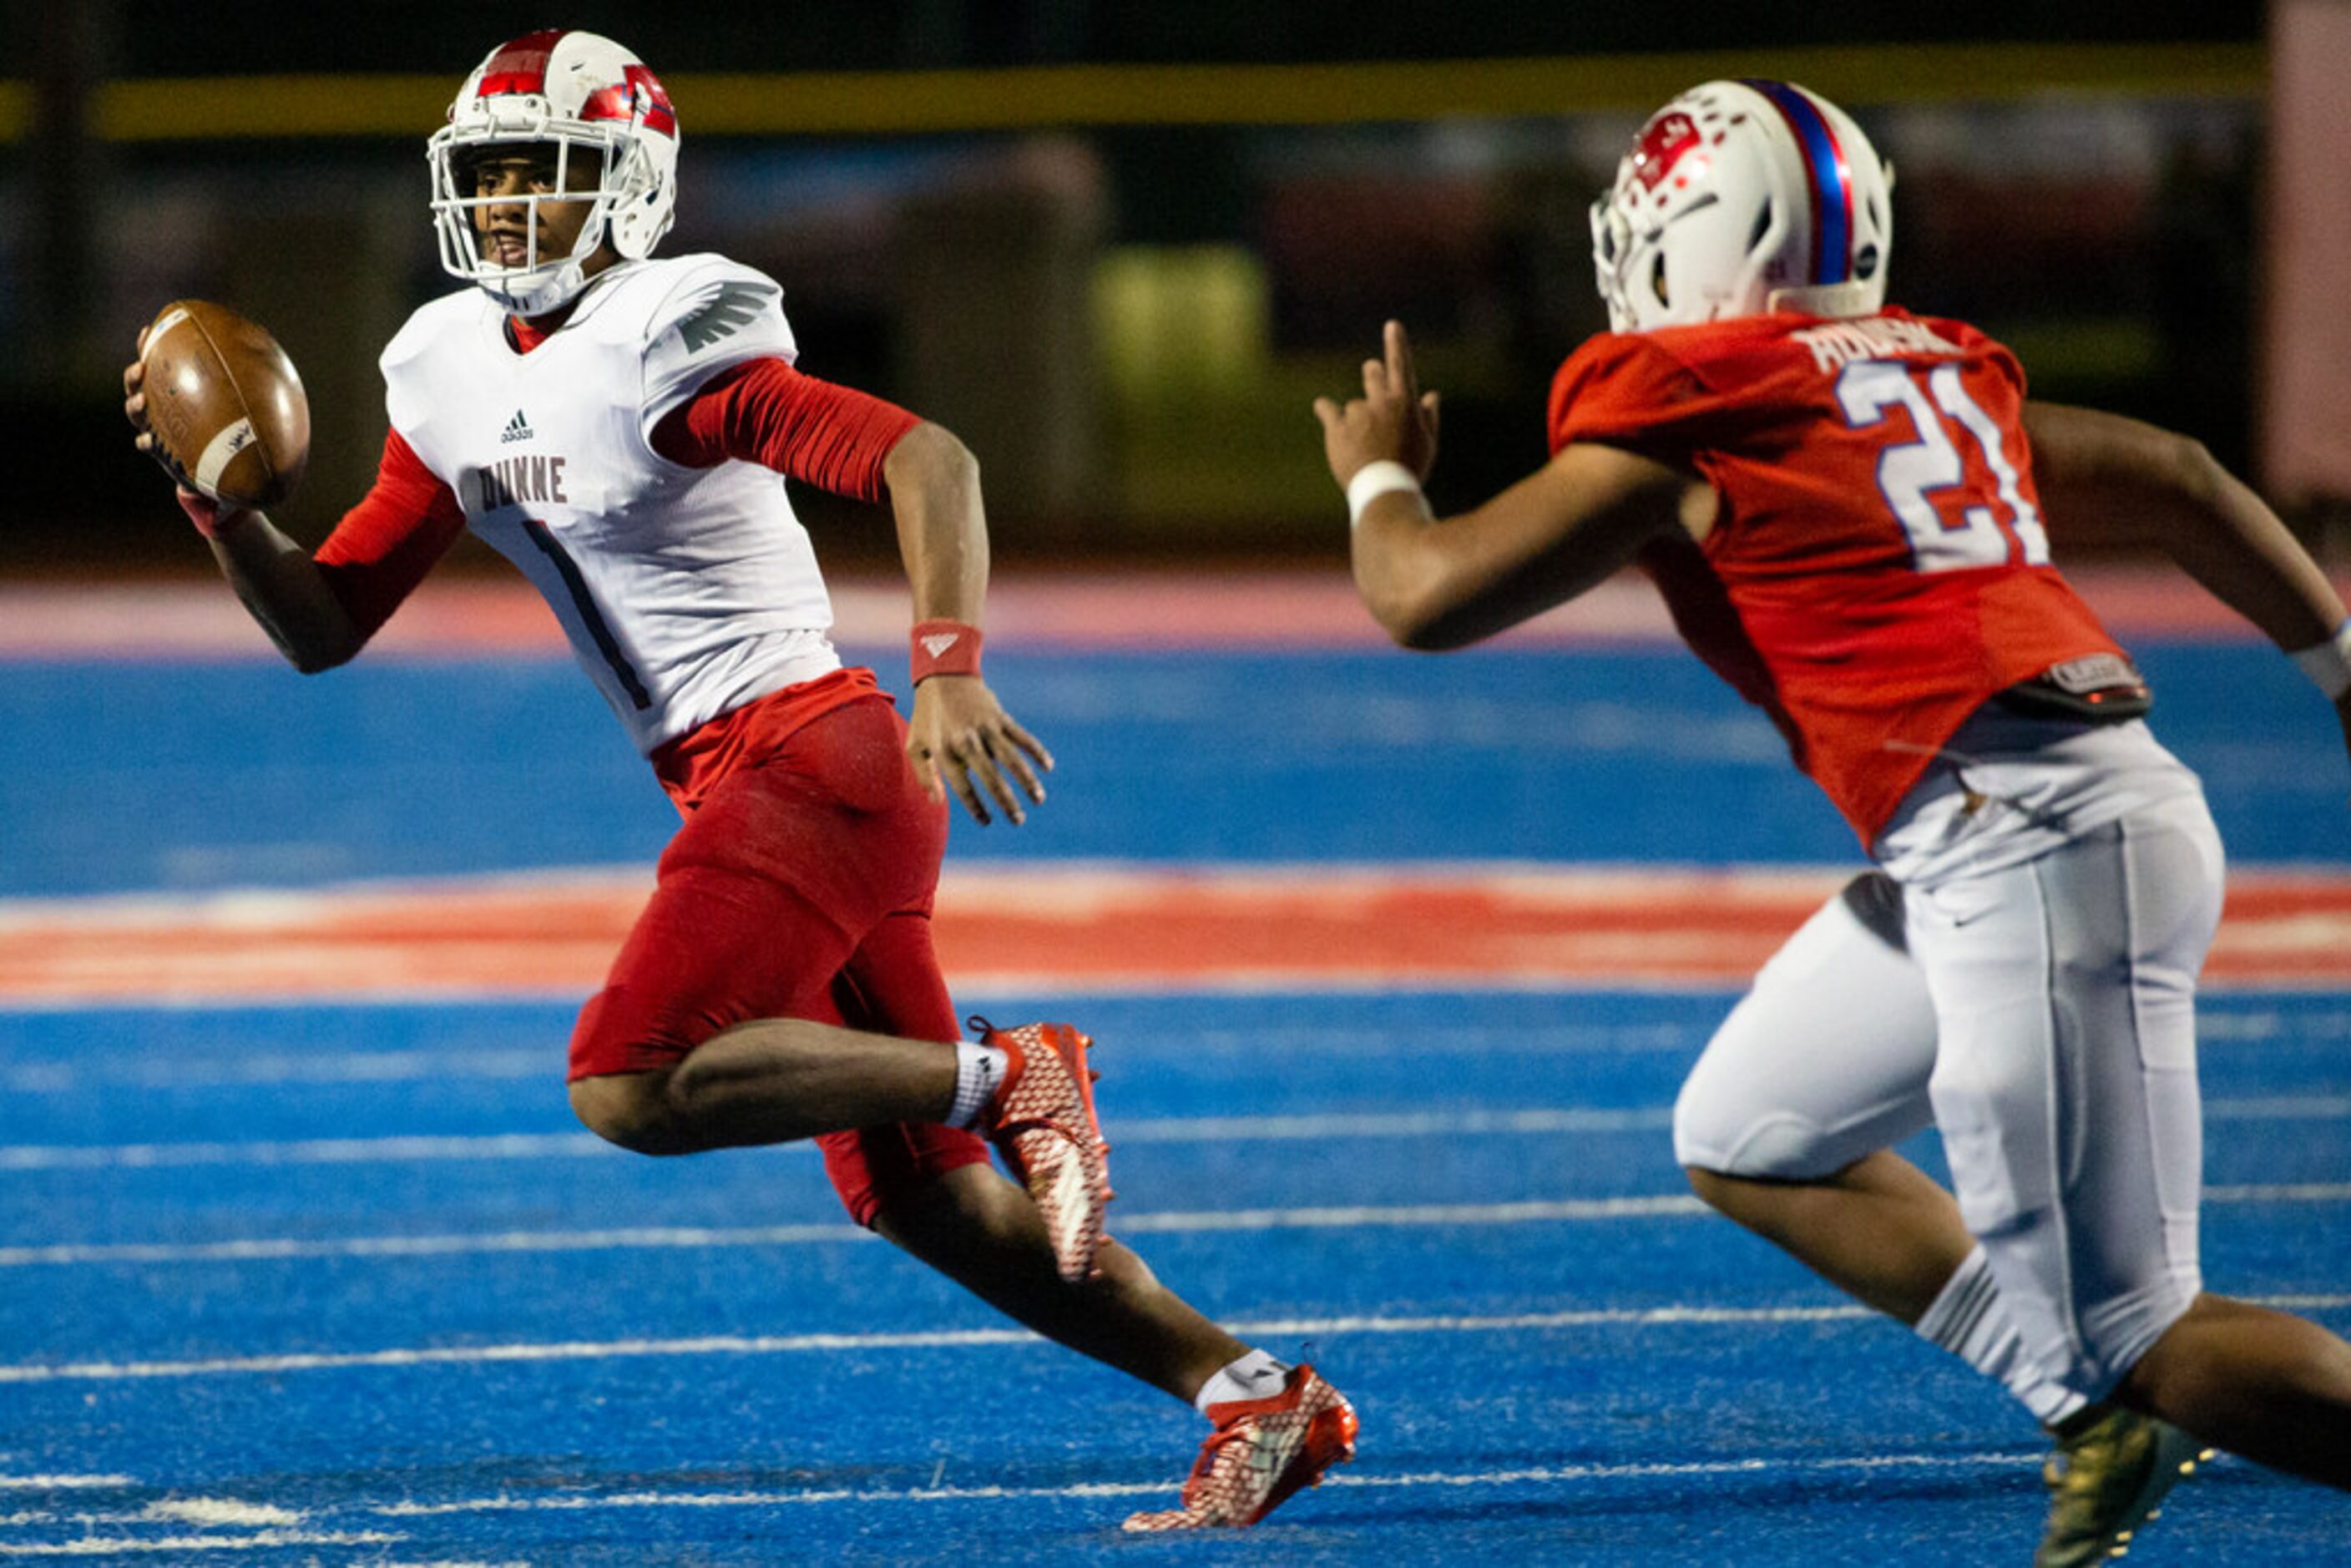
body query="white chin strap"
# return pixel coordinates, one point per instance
(537, 291)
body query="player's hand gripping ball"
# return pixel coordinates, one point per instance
(225, 404)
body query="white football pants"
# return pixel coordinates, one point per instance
(2043, 1018)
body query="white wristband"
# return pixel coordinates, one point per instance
(2328, 664)
(1373, 480)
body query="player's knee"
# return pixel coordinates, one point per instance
(1774, 1144)
(630, 1109)
(1713, 1132)
(1713, 1187)
(1697, 1138)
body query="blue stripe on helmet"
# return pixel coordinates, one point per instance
(1832, 191)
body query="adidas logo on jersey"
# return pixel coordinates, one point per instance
(517, 428)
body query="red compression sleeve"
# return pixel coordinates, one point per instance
(384, 546)
(765, 412)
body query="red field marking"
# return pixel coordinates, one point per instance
(472, 617)
(1039, 928)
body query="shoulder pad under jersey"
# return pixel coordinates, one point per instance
(715, 314)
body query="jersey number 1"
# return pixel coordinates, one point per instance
(599, 630)
(1909, 474)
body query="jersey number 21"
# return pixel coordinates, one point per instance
(1909, 474)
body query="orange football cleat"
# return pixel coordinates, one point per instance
(1042, 1120)
(1261, 1451)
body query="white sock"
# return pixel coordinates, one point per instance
(978, 1070)
(1256, 1375)
(1969, 1319)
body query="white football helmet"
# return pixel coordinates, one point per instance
(1741, 197)
(589, 98)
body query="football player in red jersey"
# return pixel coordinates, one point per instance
(1842, 506)
(619, 425)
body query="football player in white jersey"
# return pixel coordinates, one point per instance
(619, 427)
(1842, 504)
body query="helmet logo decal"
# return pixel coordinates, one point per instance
(1663, 142)
(1831, 181)
(643, 98)
(521, 66)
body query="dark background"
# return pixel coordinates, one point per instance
(170, 40)
(2112, 238)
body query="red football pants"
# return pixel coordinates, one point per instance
(800, 887)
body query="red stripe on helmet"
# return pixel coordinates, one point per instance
(520, 66)
(642, 97)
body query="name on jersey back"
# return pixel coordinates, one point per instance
(1836, 343)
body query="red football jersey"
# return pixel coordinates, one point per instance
(1878, 567)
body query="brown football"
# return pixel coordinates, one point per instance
(225, 404)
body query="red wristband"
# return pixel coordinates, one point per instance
(945, 648)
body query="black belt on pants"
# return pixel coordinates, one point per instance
(2101, 688)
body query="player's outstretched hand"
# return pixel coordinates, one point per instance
(1393, 420)
(961, 738)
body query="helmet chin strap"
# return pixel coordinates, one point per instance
(549, 294)
(558, 287)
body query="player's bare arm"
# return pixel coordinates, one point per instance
(960, 736)
(2108, 480)
(1443, 582)
(273, 576)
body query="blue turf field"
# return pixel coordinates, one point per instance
(345, 1284)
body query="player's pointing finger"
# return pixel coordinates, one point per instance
(1399, 356)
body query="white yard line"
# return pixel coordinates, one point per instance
(576, 1145)
(1422, 1124)
(272, 1249)
(2280, 1108)
(275, 1069)
(643, 1499)
(2287, 1192)
(304, 1151)
(940, 1339)
(1530, 1476)
(1308, 1127)
(266, 1249)
(582, 1502)
(260, 1541)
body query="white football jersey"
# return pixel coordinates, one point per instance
(687, 593)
